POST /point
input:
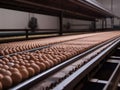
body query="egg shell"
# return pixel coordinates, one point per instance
(1, 86)
(27, 64)
(31, 61)
(16, 77)
(6, 60)
(6, 67)
(55, 61)
(1, 65)
(32, 57)
(15, 58)
(16, 65)
(1, 76)
(24, 72)
(47, 64)
(13, 69)
(2, 52)
(6, 72)
(35, 67)
(31, 71)
(6, 81)
(2, 62)
(49, 56)
(51, 63)
(41, 65)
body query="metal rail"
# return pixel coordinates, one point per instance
(114, 78)
(43, 75)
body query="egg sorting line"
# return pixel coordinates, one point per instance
(59, 76)
(17, 68)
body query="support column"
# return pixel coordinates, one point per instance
(102, 24)
(26, 33)
(112, 22)
(93, 24)
(105, 23)
(61, 23)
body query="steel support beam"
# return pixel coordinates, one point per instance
(61, 23)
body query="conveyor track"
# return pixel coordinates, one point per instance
(67, 74)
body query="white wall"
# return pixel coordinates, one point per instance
(47, 22)
(11, 19)
(77, 22)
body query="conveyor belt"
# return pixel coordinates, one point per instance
(32, 45)
(68, 57)
(68, 74)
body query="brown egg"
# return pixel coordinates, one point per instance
(58, 59)
(2, 52)
(17, 62)
(64, 56)
(19, 56)
(16, 77)
(1, 76)
(16, 65)
(1, 86)
(55, 61)
(1, 65)
(41, 59)
(49, 56)
(6, 67)
(35, 67)
(44, 57)
(51, 63)
(22, 67)
(47, 64)
(10, 58)
(22, 63)
(15, 58)
(24, 72)
(6, 60)
(27, 64)
(6, 81)
(26, 61)
(2, 71)
(31, 71)
(27, 57)
(32, 57)
(10, 51)
(2, 62)
(14, 50)
(31, 61)
(11, 69)
(17, 48)
(41, 65)
(6, 72)
(61, 57)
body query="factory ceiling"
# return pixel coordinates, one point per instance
(78, 9)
